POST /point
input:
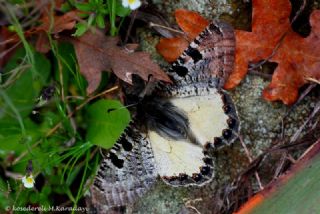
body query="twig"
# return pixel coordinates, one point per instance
(26, 23)
(151, 24)
(309, 149)
(301, 97)
(295, 137)
(75, 97)
(130, 27)
(34, 15)
(299, 12)
(13, 175)
(80, 107)
(279, 168)
(313, 80)
(260, 74)
(15, 75)
(4, 53)
(7, 41)
(61, 79)
(250, 160)
(291, 159)
(298, 132)
(189, 206)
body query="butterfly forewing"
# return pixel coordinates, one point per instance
(209, 57)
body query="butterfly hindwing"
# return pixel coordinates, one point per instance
(126, 173)
(213, 122)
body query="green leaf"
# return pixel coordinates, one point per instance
(4, 200)
(65, 7)
(297, 192)
(122, 11)
(68, 63)
(23, 93)
(91, 19)
(104, 128)
(70, 72)
(81, 29)
(100, 21)
(12, 139)
(84, 7)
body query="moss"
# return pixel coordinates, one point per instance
(261, 120)
(161, 199)
(207, 8)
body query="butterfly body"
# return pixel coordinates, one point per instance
(175, 126)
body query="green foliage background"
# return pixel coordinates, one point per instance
(64, 150)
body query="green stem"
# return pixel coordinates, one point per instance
(113, 30)
(80, 191)
(27, 47)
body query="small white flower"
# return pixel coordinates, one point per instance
(133, 4)
(28, 181)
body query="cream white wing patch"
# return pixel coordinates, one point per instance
(187, 157)
(212, 121)
(206, 115)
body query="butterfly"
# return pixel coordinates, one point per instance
(175, 126)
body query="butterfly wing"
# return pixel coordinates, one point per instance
(126, 173)
(210, 57)
(198, 75)
(133, 163)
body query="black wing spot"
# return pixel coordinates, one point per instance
(231, 123)
(227, 109)
(183, 176)
(208, 146)
(170, 178)
(227, 133)
(194, 54)
(126, 144)
(217, 141)
(205, 170)
(180, 70)
(100, 174)
(196, 177)
(196, 41)
(115, 160)
(215, 29)
(208, 161)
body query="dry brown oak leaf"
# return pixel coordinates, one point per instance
(298, 58)
(60, 23)
(97, 52)
(298, 62)
(49, 25)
